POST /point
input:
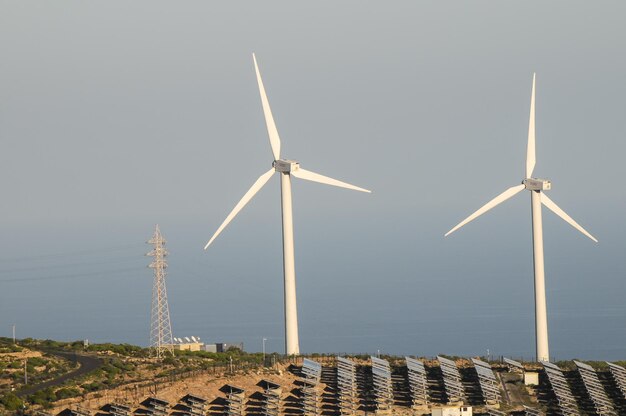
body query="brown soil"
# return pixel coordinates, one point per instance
(206, 386)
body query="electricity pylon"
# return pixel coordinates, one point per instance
(161, 342)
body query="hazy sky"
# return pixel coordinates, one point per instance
(118, 115)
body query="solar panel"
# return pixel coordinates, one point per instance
(235, 401)
(157, 406)
(116, 409)
(311, 372)
(488, 383)
(514, 365)
(383, 388)
(451, 380)
(561, 389)
(271, 398)
(347, 386)
(418, 382)
(196, 406)
(619, 375)
(596, 391)
(531, 411)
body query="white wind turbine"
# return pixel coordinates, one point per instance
(286, 168)
(536, 186)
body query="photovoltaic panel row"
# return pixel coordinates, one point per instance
(619, 375)
(514, 364)
(561, 389)
(347, 386)
(157, 407)
(602, 403)
(271, 398)
(235, 401)
(418, 381)
(311, 372)
(383, 387)
(451, 380)
(116, 409)
(192, 405)
(488, 383)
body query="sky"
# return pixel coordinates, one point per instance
(116, 116)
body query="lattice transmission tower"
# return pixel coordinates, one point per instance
(161, 342)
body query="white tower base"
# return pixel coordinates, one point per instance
(541, 315)
(292, 345)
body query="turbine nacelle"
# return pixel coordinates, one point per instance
(285, 166)
(534, 184)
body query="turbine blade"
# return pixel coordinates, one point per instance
(267, 111)
(495, 201)
(530, 151)
(558, 211)
(316, 177)
(242, 203)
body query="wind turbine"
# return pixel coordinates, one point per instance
(286, 168)
(537, 197)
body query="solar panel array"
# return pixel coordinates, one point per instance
(488, 383)
(311, 373)
(596, 391)
(531, 411)
(451, 380)
(235, 401)
(271, 398)
(157, 407)
(514, 365)
(383, 387)
(562, 391)
(619, 375)
(418, 382)
(116, 409)
(195, 406)
(347, 386)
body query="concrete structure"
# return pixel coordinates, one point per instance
(189, 346)
(531, 378)
(222, 346)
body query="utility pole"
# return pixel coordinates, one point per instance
(264, 339)
(161, 342)
(13, 333)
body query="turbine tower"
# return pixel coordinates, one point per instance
(161, 342)
(287, 169)
(537, 197)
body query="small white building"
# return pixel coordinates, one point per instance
(451, 410)
(531, 378)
